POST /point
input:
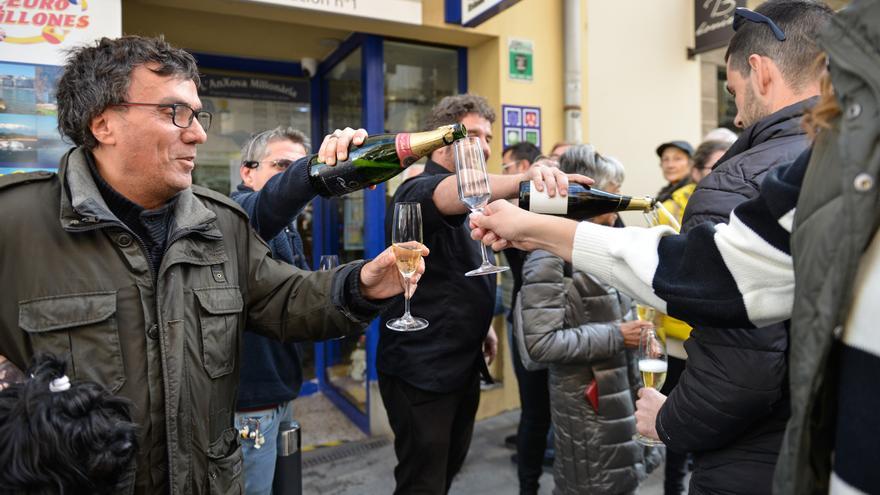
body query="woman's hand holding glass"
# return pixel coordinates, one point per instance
(632, 332)
(652, 366)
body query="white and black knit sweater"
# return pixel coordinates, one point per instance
(723, 275)
(741, 274)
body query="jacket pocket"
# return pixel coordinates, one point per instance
(219, 310)
(81, 327)
(225, 465)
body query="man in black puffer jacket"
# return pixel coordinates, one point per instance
(730, 406)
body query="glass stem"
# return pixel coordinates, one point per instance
(483, 251)
(406, 314)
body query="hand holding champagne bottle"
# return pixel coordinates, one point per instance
(337, 169)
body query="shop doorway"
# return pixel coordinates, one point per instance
(381, 85)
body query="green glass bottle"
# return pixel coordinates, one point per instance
(380, 158)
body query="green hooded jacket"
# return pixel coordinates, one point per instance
(76, 282)
(837, 216)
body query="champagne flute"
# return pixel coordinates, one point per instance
(473, 190)
(652, 366)
(406, 242)
(328, 262)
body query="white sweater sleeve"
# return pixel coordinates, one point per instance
(715, 274)
(623, 258)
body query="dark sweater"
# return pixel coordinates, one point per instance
(151, 227)
(271, 372)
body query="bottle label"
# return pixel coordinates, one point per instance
(540, 202)
(404, 150)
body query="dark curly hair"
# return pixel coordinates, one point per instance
(451, 109)
(80, 440)
(98, 76)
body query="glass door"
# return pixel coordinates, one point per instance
(382, 86)
(339, 230)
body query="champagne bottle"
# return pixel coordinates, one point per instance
(581, 203)
(380, 158)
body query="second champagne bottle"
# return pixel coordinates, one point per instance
(380, 158)
(582, 202)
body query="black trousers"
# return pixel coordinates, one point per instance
(676, 462)
(534, 423)
(432, 433)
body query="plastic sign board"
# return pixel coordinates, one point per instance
(471, 13)
(39, 31)
(521, 59)
(521, 124)
(404, 11)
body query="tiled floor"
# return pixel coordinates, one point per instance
(323, 423)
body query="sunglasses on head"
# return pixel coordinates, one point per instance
(280, 164)
(742, 14)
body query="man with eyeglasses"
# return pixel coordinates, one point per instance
(142, 281)
(273, 193)
(731, 403)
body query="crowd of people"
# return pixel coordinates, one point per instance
(159, 332)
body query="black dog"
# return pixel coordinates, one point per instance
(64, 437)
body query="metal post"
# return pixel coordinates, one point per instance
(288, 467)
(572, 29)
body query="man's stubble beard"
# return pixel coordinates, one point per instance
(754, 110)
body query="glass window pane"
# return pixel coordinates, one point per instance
(243, 105)
(416, 78)
(345, 358)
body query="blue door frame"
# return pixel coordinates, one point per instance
(326, 218)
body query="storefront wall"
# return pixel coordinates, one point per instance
(642, 90)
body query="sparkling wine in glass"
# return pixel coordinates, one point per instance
(473, 190)
(652, 366)
(406, 242)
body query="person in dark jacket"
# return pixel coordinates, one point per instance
(743, 372)
(272, 193)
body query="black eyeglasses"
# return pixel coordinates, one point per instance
(742, 14)
(182, 115)
(280, 164)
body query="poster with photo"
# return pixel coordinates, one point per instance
(18, 140)
(34, 39)
(29, 137)
(44, 88)
(17, 95)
